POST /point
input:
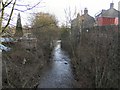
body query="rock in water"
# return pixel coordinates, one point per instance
(66, 63)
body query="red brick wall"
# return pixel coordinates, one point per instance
(103, 21)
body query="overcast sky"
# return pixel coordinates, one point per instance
(57, 7)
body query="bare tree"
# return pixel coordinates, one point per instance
(11, 5)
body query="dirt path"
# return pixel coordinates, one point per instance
(58, 73)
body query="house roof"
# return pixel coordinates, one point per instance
(111, 12)
(87, 17)
(6, 39)
(88, 21)
(85, 20)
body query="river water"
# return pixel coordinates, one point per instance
(58, 73)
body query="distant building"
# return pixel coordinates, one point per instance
(108, 17)
(84, 21)
(119, 6)
(81, 22)
(75, 29)
(119, 11)
(87, 21)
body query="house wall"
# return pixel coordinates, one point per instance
(119, 11)
(103, 21)
(119, 6)
(29, 43)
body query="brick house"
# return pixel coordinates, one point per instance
(108, 17)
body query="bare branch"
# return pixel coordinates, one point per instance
(5, 5)
(28, 8)
(8, 3)
(22, 5)
(10, 16)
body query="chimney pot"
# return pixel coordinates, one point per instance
(85, 11)
(111, 5)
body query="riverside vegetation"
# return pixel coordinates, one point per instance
(95, 56)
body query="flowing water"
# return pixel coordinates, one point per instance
(58, 73)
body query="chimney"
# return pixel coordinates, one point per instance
(78, 15)
(111, 5)
(85, 11)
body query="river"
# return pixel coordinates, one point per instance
(58, 73)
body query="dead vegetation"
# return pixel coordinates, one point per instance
(20, 66)
(96, 61)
